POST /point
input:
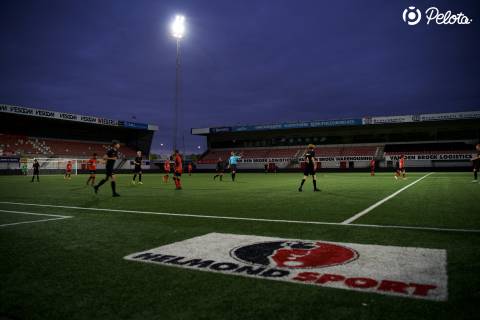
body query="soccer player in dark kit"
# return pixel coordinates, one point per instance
(138, 168)
(476, 163)
(400, 168)
(220, 169)
(110, 158)
(92, 168)
(310, 168)
(36, 170)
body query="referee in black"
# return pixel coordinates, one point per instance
(310, 168)
(110, 158)
(138, 168)
(36, 170)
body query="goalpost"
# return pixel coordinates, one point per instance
(53, 165)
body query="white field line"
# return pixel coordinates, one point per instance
(36, 214)
(373, 206)
(57, 217)
(243, 219)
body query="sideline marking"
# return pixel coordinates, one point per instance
(57, 217)
(373, 206)
(245, 219)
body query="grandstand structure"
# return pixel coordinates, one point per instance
(440, 140)
(27, 133)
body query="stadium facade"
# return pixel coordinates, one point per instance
(438, 140)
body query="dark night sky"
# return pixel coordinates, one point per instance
(243, 61)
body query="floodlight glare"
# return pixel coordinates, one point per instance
(178, 27)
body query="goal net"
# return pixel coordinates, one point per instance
(53, 165)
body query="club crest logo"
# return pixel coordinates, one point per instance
(294, 254)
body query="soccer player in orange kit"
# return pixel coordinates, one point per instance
(178, 170)
(92, 168)
(68, 171)
(166, 169)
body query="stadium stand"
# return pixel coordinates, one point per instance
(290, 153)
(429, 148)
(27, 132)
(56, 137)
(264, 153)
(36, 146)
(440, 140)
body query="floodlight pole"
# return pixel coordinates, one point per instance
(178, 29)
(177, 96)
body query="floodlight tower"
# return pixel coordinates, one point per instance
(178, 31)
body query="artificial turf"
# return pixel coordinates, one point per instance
(74, 268)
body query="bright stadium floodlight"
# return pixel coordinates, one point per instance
(178, 31)
(178, 27)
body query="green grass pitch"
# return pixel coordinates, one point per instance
(74, 268)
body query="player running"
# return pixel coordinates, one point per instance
(166, 169)
(310, 168)
(220, 169)
(372, 167)
(178, 170)
(68, 171)
(400, 168)
(476, 163)
(232, 164)
(110, 158)
(138, 168)
(92, 168)
(36, 170)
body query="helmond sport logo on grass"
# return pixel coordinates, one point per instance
(401, 271)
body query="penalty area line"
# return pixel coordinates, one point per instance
(245, 219)
(373, 206)
(56, 217)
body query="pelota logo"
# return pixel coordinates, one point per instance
(294, 254)
(412, 15)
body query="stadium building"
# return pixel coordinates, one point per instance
(441, 140)
(28, 133)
